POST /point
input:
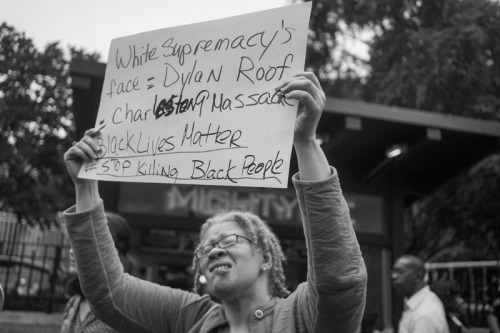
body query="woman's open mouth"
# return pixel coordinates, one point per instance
(222, 267)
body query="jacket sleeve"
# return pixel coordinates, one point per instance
(335, 296)
(126, 303)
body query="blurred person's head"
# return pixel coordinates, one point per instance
(408, 275)
(450, 294)
(120, 232)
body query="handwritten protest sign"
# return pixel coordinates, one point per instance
(196, 104)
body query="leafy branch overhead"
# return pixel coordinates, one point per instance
(439, 56)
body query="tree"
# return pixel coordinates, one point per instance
(459, 221)
(332, 24)
(439, 56)
(36, 127)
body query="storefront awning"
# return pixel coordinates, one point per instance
(357, 137)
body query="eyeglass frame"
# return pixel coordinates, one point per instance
(219, 246)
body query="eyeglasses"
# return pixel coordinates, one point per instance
(222, 244)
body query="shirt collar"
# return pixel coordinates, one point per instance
(417, 298)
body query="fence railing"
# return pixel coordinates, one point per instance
(32, 265)
(478, 282)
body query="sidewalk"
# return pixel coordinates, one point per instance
(32, 322)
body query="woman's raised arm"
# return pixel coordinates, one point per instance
(305, 88)
(86, 190)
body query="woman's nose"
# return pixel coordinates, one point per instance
(217, 252)
(71, 254)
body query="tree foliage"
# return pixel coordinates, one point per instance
(439, 56)
(332, 22)
(36, 127)
(460, 220)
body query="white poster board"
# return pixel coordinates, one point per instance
(196, 104)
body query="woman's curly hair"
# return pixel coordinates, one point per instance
(258, 231)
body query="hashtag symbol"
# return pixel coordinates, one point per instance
(89, 166)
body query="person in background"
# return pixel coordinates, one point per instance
(78, 317)
(449, 293)
(238, 254)
(494, 317)
(423, 310)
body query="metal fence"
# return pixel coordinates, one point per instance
(32, 265)
(478, 282)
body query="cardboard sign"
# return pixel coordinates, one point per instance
(196, 104)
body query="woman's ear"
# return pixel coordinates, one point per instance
(267, 261)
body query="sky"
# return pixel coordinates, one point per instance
(92, 24)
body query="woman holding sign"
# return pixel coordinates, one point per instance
(239, 256)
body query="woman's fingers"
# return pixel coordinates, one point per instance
(77, 153)
(93, 131)
(306, 88)
(91, 142)
(300, 76)
(304, 82)
(74, 153)
(312, 100)
(311, 77)
(307, 100)
(85, 149)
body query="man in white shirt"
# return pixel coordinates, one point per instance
(423, 310)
